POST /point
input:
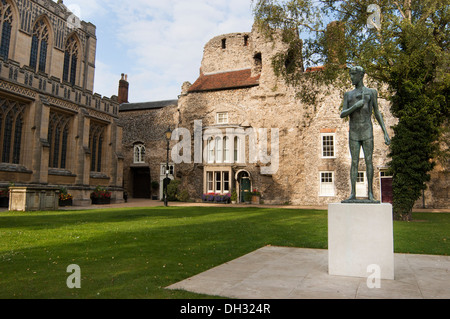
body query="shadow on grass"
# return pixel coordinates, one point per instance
(135, 253)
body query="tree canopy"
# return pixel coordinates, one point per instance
(402, 44)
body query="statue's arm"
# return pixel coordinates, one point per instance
(347, 110)
(379, 117)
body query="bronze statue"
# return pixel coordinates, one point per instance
(359, 105)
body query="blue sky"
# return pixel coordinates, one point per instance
(159, 44)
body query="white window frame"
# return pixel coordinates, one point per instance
(327, 189)
(171, 169)
(323, 146)
(210, 143)
(210, 182)
(225, 182)
(219, 149)
(222, 117)
(218, 182)
(139, 154)
(226, 150)
(237, 149)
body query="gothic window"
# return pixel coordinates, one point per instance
(70, 60)
(6, 20)
(11, 128)
(96, 139)
(58, 134)
(139, 153)
(39, 45)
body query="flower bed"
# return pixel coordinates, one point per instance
(216, 198)
(65, 199)
(100, 196)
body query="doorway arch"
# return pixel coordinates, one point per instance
(243, 184)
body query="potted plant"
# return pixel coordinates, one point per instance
(234, 197)
(100, 196)
(65, 199)
(256, 197)
(155, 187)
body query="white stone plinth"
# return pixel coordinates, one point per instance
(360, 235)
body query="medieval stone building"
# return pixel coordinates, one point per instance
(54, 130)
(239, 127)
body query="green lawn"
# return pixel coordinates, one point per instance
(136, 252)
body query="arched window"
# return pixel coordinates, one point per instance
(39, 45)
(58, 134)
(6, 20)
(226, 149)
(236, 147)
(139, 153)
(11, 126)
(96, 138)
(219, 148)
(210, 150)
(70, 60)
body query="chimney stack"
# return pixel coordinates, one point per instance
(123, 89)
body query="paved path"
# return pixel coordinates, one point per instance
(300, 273)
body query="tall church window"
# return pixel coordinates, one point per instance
(11, 129)
(96, 139)
(139, 154)
(58, 134)
(70, 60)
(39, 45)
(6, 20)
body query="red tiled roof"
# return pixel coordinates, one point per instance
(315, 68)
(225, 80)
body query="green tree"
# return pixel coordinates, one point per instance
(402, 45)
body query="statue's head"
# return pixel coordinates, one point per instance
(357, 74)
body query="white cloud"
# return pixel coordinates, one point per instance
(163, 40)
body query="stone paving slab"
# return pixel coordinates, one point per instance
(273, 272)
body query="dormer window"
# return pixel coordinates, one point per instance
(222, 118)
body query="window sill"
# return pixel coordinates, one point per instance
(7, 167)
(99, 175)
(60, 172)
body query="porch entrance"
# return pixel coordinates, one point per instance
(141, 182)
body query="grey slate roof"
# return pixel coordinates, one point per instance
(146, 105)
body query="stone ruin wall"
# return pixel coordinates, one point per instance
(272, 104)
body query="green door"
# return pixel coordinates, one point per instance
(245, 187)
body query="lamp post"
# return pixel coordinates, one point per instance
(168, 137)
